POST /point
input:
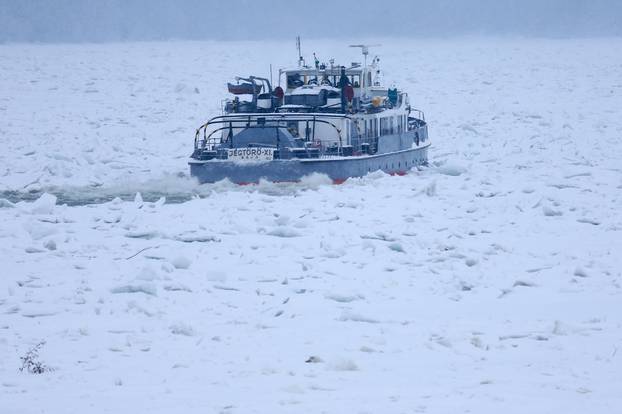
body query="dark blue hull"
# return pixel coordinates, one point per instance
(338, 169)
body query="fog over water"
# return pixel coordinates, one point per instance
(120, 20)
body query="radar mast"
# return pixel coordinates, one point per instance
(365, 51)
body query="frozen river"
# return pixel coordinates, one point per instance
(488, 282)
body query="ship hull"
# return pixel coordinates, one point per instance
(337, 169)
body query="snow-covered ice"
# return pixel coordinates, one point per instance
(488, 282)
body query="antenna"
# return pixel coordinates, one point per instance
(365, 51)
(300, 58)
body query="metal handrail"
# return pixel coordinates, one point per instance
(277, 116)
(419, 112)
(268, 122)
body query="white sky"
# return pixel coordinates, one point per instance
(113, 20)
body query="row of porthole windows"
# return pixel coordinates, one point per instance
(399, 165)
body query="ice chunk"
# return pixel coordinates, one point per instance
(4, 203)
(430, 189)
(283, 232)
(161, 201)
(216, 276)
(147, 274)
(348, 316)
(38, 230)
(523, 283)
(38, 312)
(313, 360)
(396, 247)
(50, 245)
(451, 169)
(468, 128)
(177, 287)
(182, 329)
(146, 288)
(343, 298)
(588, 221)
(181, 262)
(196, 238)
(44, 204)
(549, 212)
(315, 180)
(138, 199)
(344, 365)
(142, 234)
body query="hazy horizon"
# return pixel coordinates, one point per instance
(119, 20)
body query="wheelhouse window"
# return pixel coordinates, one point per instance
(294, 80)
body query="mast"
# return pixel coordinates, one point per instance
(365, 51)
(301, 60)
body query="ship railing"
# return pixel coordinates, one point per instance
(416, 119)
(206, 139)
(417, 113)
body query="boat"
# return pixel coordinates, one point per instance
(328, 119)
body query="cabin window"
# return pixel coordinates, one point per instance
(356, 81)
(386, 125)
(292, 127)
(294, 81)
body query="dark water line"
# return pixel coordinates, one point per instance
(82, 198)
